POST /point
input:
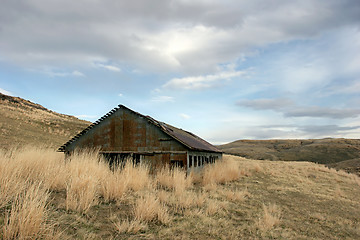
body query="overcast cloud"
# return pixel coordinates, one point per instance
(174, 35)
(292, 62)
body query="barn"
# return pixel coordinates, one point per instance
(123, 133)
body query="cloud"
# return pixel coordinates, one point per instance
(162, 99)
(289, 131)
(324, 112)
(3, 91)
(266, 104)
(109, 67)
(120, 95)
(77, 73)
(57, 73)
(190, 36)
(323, 130)
(344, 88)
(184, 116)
(201, 82)
(319, 130)
(291, 109)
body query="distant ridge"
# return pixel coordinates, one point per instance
(329, 151)
(24, 122)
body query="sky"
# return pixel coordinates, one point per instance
(224, 70)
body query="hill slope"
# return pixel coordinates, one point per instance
(325, 151)
(24, 122)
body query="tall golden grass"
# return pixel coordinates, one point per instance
(28, 176)
(148, 208)
(26, 219)
(222, 171)
(174, 179)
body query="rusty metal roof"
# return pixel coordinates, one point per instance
(188, 139)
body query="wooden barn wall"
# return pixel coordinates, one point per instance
(127, 131)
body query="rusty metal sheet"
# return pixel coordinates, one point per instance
(188, 138)
(123, 129)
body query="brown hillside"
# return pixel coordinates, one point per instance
(325, 151)
(25, 122)
(352, 165)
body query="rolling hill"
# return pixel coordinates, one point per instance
(330, 151)
(24, 122)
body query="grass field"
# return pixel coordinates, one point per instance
(45, 197)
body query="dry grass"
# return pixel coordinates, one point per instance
(222, 202)
(183, 201)
(149, 208)
(81, 193)
(235, 195)
(355, 179)
(86, 170)
(223, 171)
(114, 186)
(10, 183)
(338, 192)
(138, 177)
(200, 198)
(27, 217)
(270, 218)
(21, 167)
(23, 122)
(127, 226)
(212, 208)
(174, 179)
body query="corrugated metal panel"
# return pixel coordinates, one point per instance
(188, 138)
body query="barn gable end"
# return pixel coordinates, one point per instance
(123, 132)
